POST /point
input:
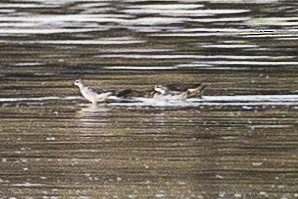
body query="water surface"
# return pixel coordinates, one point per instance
(238, 141)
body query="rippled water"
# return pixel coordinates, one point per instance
(238, 141)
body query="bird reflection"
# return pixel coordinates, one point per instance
(93, 116)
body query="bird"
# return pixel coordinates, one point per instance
(193, 90)
(90, 94)
(164, 93)
(131, 93)
(179, 92)
(168, 92)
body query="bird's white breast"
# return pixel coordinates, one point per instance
(89, 94)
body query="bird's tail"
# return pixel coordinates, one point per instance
(197, 91)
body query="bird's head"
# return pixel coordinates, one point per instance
(161, 89)
(78, 82)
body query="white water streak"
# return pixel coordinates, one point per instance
(239, 100)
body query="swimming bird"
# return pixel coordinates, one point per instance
(179, 92)
(131, 93)
(164, 93)
(193, 90)
(90, 95)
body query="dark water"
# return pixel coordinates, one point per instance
(238, 141)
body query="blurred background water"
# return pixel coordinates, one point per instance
(238, 141)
